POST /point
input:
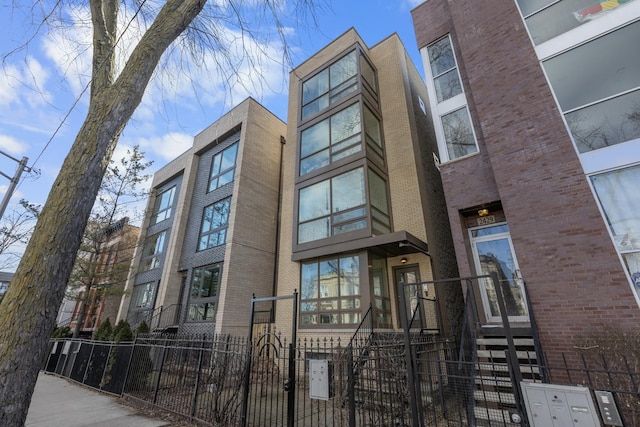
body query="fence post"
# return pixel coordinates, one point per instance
(291, 395)
(351, 386)
(84, 376)
(164, 352)
(247, 368)
(409, 356)
(197, 384)
(126, 374)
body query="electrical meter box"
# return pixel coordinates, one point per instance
(551, 405)
(320, 379)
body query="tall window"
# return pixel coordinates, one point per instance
(203, 298)
(453, 122)
(331, 140)
(163, 206)
(547, 19)
(330, 291)
(380, 287)
(330, 85)
(223, 167)
(152, 251)
(143, 295)
(333, 206)
(215, 220)
(597, 86)
(620, 199)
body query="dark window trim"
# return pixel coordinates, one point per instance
(359, 82)
(213, 230)
(211, 299)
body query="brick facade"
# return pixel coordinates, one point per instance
(527, 161)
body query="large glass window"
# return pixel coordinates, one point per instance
(143, 296)
(333, 206)
(546, 19)
(152, 251)
(381, 298)
(458, 133)
(330, 292)
(330, 85)
(449, 106)
(444, 69)
(163, 205)
(381, 220)
(368, 77)
(215, 220)
(203, 298)
(620, 199)
(601, 103)
(331, 140)
(223, 167)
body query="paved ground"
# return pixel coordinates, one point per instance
(59, 402)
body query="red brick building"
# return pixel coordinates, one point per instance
(535, 108)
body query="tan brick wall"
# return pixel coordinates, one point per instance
(251, 248)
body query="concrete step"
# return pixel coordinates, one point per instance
(500, 354)
(496, 417)
(503, 341)
(494, 397)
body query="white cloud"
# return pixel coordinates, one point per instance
(414, 3)
(12, 145)
(8, 85)
(167, 147)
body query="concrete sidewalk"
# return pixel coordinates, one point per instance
(60, 402)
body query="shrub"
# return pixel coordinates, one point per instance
(122, 331)
(104, 331)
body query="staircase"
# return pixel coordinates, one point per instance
(494, 394)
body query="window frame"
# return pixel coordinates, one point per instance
(441, 109)
(197, 273)
(618, 240)
(216, 175)
(357, 299)
(153, 251)
(332, 98)
(217, 230)
(167, 211)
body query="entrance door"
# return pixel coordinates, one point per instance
(493, 252)
(405, 275)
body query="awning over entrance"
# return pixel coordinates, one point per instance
(389, 245)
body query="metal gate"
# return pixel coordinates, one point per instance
(269, 384)
(470, 377)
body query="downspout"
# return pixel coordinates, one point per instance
(274, 289)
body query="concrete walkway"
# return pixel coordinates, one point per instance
(57, 402)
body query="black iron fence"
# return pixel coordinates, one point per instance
(329, 382)
(97, 364)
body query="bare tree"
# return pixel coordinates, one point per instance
(15, 230)
(28, 311)
(106, 250)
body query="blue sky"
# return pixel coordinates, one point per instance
(39, 86)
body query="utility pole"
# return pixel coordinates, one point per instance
(13, 182)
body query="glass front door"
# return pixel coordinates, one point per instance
(406, 276)
(493, 252)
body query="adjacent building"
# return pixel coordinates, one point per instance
(363, 208)
(99, 276)
(536, 107)
(209, 235)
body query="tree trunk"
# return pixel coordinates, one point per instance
(30, 306)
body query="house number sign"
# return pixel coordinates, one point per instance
(486, 220)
